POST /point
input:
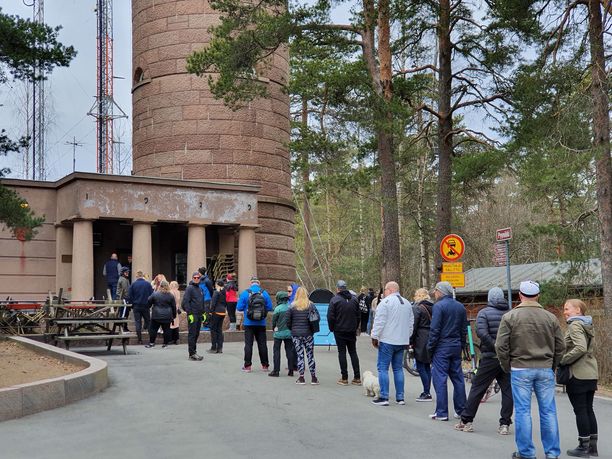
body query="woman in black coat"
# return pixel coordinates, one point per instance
(163, 312)
(422, 310)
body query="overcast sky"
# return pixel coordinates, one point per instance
(71, 90)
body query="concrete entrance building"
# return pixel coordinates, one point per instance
(207, 181)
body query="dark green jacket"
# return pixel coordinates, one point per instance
(279, 322)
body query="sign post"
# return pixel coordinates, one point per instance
(504, 235)
(452, 248)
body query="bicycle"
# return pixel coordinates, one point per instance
(410, 362)
(469, 363)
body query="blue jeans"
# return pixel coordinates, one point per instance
(446, 363)
(542, 382)
(112, 286)
(425, 374)
(392, 354)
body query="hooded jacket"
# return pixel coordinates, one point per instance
(193, 299)
(281, 317)
(579, 348)
(343, 314)
(487, 325)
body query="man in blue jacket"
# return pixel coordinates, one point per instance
(446, 339)
(112, 271)
(138, 295)
(207, 287)
(255, 303)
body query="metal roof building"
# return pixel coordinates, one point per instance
(480, 280)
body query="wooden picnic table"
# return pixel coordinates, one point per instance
(83, 322)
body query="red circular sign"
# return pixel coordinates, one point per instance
(452, 247)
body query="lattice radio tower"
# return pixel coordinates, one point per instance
(37, 136)
(103, 109)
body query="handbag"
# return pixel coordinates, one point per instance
(563, 374)
(313, 319)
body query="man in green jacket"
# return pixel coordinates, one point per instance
(529, 346)
(282, 334)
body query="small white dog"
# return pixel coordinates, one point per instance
(371, 388)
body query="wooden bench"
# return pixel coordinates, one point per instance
(109, 338)
(102, 328)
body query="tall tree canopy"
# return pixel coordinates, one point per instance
(28, 50)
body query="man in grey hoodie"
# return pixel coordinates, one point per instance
(489, 369)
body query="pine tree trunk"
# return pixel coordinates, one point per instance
(445, 127)
(601, 146)
(391, 243)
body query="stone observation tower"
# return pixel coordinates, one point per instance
(180, 131)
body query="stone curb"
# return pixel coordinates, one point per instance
(25, 399)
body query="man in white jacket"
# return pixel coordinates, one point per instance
(390, 335)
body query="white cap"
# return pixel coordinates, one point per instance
(529, 288)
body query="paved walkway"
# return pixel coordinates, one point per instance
(160, 405)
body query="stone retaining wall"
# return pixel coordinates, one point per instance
(25, 399)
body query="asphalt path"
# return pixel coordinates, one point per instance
(161, 405)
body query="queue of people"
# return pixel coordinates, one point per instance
(520, 347)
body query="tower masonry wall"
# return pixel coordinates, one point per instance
(181, 131)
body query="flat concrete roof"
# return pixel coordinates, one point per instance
(160, 181)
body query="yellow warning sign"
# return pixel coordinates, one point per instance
(456, 267)
(456, 279)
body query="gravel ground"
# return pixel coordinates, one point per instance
(19, 365)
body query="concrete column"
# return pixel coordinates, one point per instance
(196, 247)
(141, 249)
(226, 241)
(63, 247)
(82, 260)
(247, 260)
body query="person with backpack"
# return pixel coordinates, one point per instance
(304, 323)
(255, 303)
(422, 311)
(343, 318)
(282, 334)
(231, 297)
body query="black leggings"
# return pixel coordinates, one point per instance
(585, 416)
(231, 312)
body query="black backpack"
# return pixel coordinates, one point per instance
(256, 309)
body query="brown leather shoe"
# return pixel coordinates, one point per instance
(356, 382)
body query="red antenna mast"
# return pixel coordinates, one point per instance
(103, 109)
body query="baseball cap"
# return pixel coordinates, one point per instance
(529, 288)
(341, 285)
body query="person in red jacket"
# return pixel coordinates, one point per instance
(231, 297)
